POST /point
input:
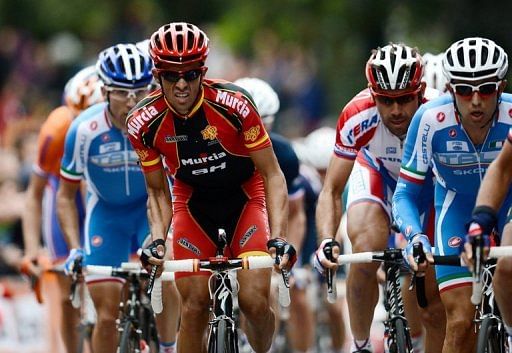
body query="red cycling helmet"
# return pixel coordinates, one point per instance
(178, 44)
(394, 67)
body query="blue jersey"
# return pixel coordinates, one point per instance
(288, 162)
(437, 140)
(101, 154)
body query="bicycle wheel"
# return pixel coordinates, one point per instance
(223, 339)
(491, 339)
(129, 341)
(401, 342)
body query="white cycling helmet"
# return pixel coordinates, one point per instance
(316, 148)
(83, 89)
(434, 75)
(264, 96)
(394, 67)
(473, 59)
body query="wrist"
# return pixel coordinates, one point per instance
(486, 217)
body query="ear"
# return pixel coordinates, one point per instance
(502, 86)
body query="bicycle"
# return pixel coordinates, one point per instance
(396, 328)
(136, 323)
(223, 287)
(492, 337)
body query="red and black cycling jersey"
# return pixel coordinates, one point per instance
(208, 149)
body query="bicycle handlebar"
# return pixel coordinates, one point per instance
(217, 264)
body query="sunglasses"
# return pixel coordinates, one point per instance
(127, 93)
(467, 90)
(175, 76)
(400, 100)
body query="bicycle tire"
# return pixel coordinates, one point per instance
(491, 339)
(129, 340)
(400, 337)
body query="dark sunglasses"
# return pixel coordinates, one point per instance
(466, 90)
(175, 76)
(401, 100)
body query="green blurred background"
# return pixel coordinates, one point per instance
(312, 52)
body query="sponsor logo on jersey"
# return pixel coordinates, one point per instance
(467, 159)
(510, 113)
(454, 242)
(424, 149)
(252, 134)
(176, 138)
(96, 240)
(452, 133)
(209, 132)
(93, 126)
(105, 137)
(143, 154)
(496, 144)
(362, 127)
(457, 146)
(390, 150)
(248, 234)
(110, 147)
(229, 100)
(203, 159)
(440, 117)
(139, 118)
(185, 243)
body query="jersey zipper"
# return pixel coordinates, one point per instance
(477, 151)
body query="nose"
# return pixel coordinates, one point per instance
(396, 109)
(475, 98)
(182, 83)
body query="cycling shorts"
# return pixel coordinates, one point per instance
(198, 216)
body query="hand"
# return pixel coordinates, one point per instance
(326, 256)
(421, 239)
(284, 253)
(74, 255)
(153, 255)
(474, 238)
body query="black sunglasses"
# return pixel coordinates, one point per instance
(175, 76)
(466, 90)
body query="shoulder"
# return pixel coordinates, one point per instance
(146, 111)
(228, 96)
(58, 121)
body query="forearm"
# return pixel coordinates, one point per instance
(159, 214)
(68, 219)
(277, 204)
(328, 213)
(31, 224)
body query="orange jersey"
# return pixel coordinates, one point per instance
(51, 141)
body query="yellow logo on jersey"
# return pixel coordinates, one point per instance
(252, 134)
(209, 133)
(143, 154)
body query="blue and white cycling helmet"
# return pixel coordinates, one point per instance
(473, 59)
(124, 65)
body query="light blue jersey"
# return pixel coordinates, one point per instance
(437, 140)
(99, 153)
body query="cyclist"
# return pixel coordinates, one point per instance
(267, 104)
(97, 151)
(434, 76)
(213, 141)
(370, 134)
(456, 135)
(40, 218)
(315, 154)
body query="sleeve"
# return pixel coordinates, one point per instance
(254, 134)
(149, 158)
(73, 159)
(413, 172)
(345, 146)
(51, 142)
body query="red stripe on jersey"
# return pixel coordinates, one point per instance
(411, 179)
